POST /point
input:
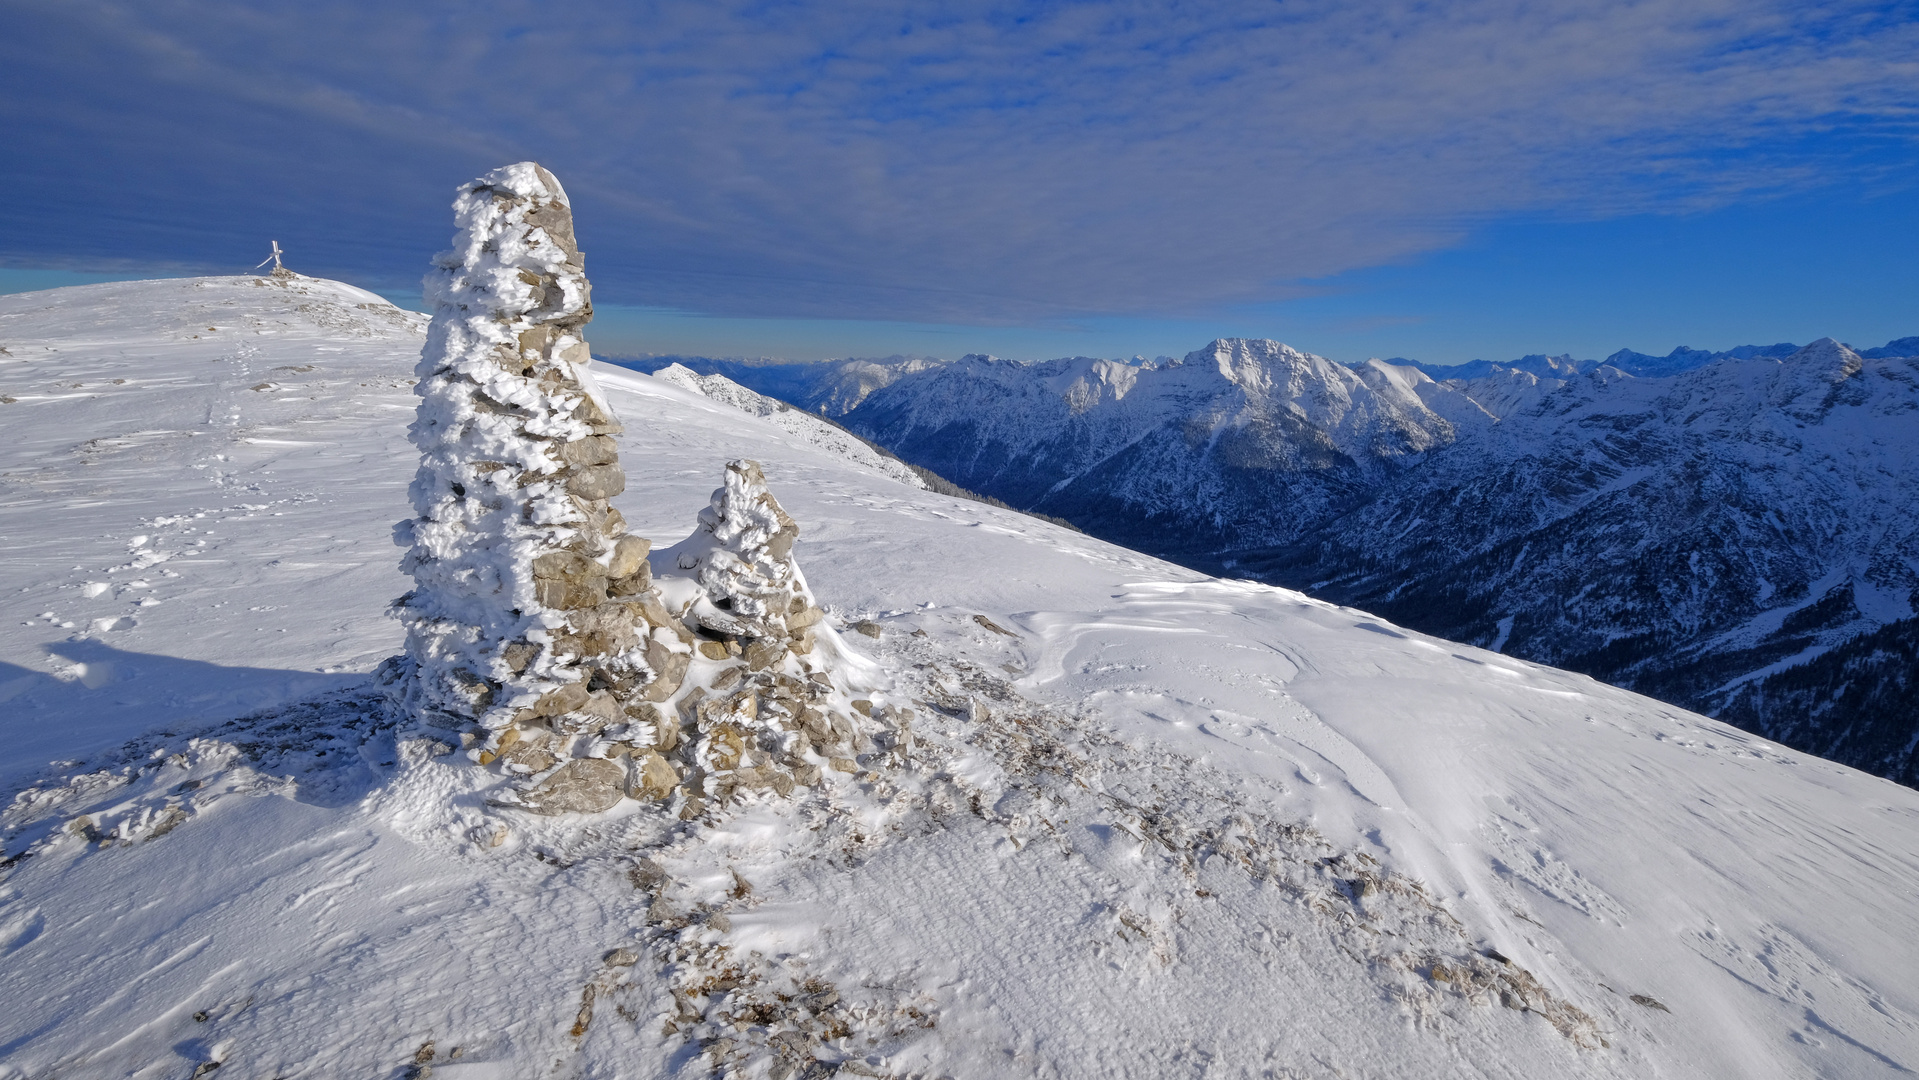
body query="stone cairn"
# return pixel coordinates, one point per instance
(535, 626)
(772, 714)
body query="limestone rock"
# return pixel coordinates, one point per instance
(722, 748)
(562, 700)
(633, 585)
(629, 554)
(526, 758)
(596, 482)
(592, 450)
(669, 670)
(653, 777)
(581, 786)
(762, 652)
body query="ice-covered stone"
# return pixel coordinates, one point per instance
(749, 581)
(581, 786)
(536, 621)
(530, 606)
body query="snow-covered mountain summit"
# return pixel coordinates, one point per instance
(1147, 822)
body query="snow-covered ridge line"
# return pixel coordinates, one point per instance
(838, 386)
(802, 425)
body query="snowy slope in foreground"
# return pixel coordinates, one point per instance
(1152, 823)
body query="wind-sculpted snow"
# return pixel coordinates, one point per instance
(1124, 819)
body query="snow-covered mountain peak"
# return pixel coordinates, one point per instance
(1810, 383)
(1406, 379)
(1356, 406)
(1832, 359)
(1557, 367)
(1085, 382)
(1263, 367)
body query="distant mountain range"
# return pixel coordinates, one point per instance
(1731, 531)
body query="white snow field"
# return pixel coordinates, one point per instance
(1144, 823)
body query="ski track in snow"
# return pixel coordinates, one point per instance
(1147, 823)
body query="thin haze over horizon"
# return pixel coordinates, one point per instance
(1440, 182)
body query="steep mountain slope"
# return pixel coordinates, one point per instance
(1684, 535)
(1858, 701)
(1681, 536)
(1147, 823)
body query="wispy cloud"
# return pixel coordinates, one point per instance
(971, 162)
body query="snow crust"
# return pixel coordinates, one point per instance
(1144, 822)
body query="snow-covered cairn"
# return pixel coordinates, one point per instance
(535, 626)
(523, 620)
(769, 717)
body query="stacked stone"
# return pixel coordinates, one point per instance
(533, 622)
(770, 716)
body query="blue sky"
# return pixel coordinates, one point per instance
(1442, 182)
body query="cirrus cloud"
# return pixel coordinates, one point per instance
(963, 162)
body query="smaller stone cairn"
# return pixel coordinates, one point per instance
(772, 714)
(535, 626)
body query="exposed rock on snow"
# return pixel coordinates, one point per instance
(779, 711)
